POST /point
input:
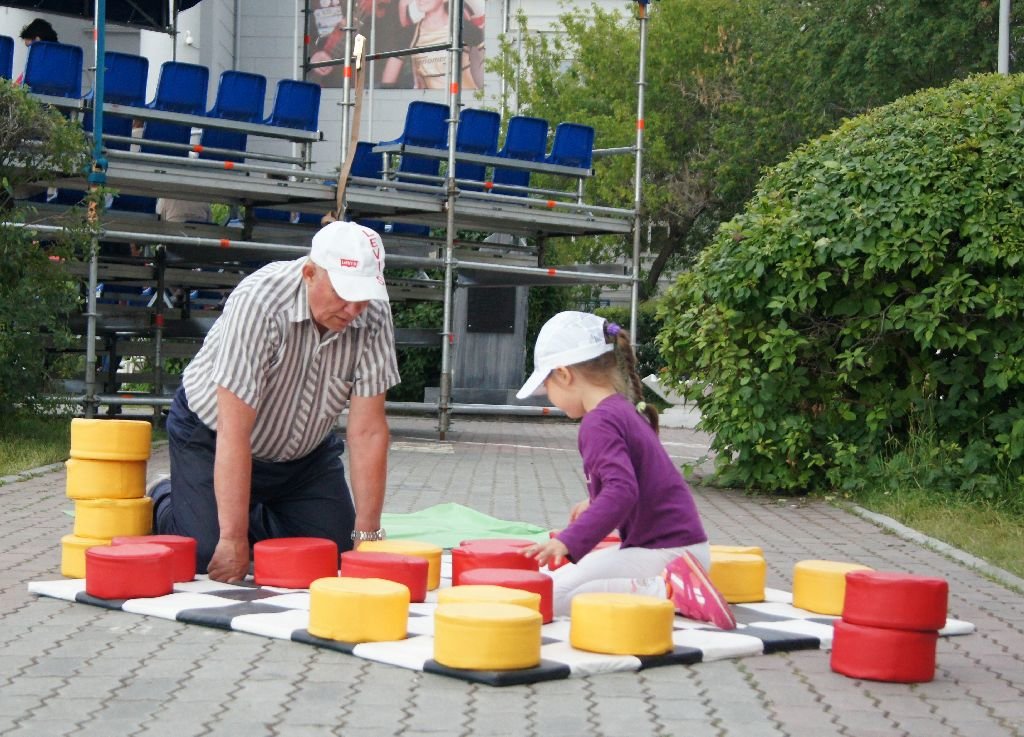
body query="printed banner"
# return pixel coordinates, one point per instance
(392, 25)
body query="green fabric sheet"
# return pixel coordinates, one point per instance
(449, 524)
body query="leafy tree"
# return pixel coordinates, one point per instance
(732, 87)
(872, 288)
(36, 143)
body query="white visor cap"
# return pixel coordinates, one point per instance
(566, 339)
(353, 257)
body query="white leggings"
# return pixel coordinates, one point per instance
(619, 570)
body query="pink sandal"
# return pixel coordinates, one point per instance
(693, 594)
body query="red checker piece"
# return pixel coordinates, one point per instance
(880, 654)
(534, 581)
(410, 570)
(128, 571)
(183, 552)
(497, 543)
(488, 554)
(898, 601)
(294, 562)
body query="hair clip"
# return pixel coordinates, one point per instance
(641, 407)
(612, 329)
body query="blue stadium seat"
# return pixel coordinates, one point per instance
(122, 202)
(239, 97)
(54, 69)
(124, 83)
(573, 146)
(266, 213)
(125, 78)
(283, 216)
(426, 125)
(181, 89)
(133, 203)
(527, 139)
(6, 57)
(477, 134)
(365, 163)
(370, 166)
(418, 231)
(297, 105)
(62, 196)
(121, 294)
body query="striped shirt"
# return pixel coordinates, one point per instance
(266, 349)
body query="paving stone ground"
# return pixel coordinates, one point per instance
(70, 669)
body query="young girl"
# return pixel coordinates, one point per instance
(588, 370)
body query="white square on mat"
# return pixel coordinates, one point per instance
(716, 644)
(275, 624)
(411, 652)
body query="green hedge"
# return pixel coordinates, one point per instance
(873, 286)
(36, 144)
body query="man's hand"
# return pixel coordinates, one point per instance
(230, 561)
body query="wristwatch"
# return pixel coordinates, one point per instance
(362, 536)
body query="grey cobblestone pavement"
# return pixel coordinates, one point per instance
(70, 669)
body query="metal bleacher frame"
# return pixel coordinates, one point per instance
(291, 183)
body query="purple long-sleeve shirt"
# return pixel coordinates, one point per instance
(633, 485)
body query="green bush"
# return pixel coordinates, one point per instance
(873, 284)
(36, 143)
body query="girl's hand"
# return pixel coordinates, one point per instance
(578, 509)
(553, 550)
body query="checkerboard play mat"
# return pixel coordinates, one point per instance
(772, 626)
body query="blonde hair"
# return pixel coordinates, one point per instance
(617, 368)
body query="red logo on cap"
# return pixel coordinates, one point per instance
(348, 263)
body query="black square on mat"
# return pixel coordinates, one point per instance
(246, 594)
(749, 616)
(777, 641)
(85, 598)
(680, 655)
(221, 616)
(548, 670)
(303, 636)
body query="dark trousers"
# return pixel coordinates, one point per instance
(307, 497)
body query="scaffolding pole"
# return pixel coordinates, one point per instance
(1003, 62)
(641, 84)
(97, 178)
(454, 102)
(346, 91)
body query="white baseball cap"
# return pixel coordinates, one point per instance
(353, 257)
(565, 339)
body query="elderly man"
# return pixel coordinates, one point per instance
(252, 444)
